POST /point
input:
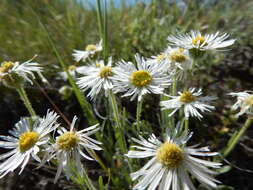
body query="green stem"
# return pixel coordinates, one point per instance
(164, 114)
(115, 109)
(138, 115)
(25, 99)
(186, 124)
(88, 181)
(102, 25)
(119, 129)
(235, 139)
(174, 93)
(99, 17)
(105, 36)
(93, 153)
(174, 87)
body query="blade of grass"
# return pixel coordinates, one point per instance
(82, 101)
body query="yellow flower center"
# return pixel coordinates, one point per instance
(170, 155)
(187, 97)
(105, 72)
(91, 47)
(199, 40)
(72, 68)
(140, 78)
(6, 66)
(67, 141)
(249, 100)
(27, 140)
(160, 57)
(178, 56)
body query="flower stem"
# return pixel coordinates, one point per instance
(99, 17)
(25, 99)
(98, 159)
(186, 124)
(105, 36)
(138, 114)
(115, 109)
(88, 181)
(164, 114)
(102, 26)
(174, 87)
(236, 137)
(118, 129)
(173, 93)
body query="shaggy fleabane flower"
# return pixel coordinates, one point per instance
(139, 80)
(244, 102)
(74, 71)
(69, 146)
(25, 142)
(171, 163)
(190, 101)
(179, 58)
(176, 57)
(97, 77)
(90, 50)
(161, 59)
(173, 60)
(196, 40)
(15, 73)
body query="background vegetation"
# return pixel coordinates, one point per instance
(139, 28)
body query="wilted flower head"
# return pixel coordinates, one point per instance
(141, 79)
(244, 102)
(90, 50)
(190, 101)
(171, 163)
(25, 142)
(69, 146)
(14, 74)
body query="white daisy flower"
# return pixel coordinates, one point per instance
(15, 72)
(90, 50)
(175, 57)
(244, 102)
(162, 59)
(196, 40)
(69, 146)
(171, 163)
(141, 79)
(190, 101)
(25, 142)
(174, 60)
(179, 58)
(97, 77)
(74, 71)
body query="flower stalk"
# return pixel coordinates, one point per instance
(237, 136)
(102, 25)
(138, 115)
(88, 181)
(116, 117)
(186, 124)
(22, 93)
